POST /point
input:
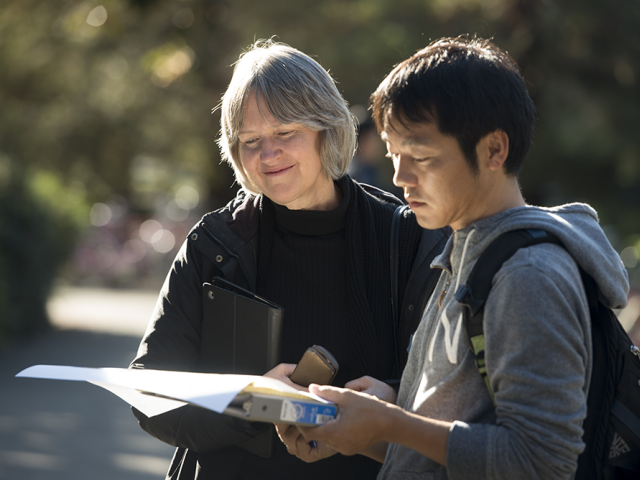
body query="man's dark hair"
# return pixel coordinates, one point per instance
(468, 88)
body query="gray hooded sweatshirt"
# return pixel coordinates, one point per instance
(537, 352)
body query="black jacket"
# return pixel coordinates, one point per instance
(225, 243)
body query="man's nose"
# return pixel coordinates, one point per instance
(403, 175)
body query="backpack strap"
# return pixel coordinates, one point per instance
(474, 292)
(611, 429)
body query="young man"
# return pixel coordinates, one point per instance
(458, 120)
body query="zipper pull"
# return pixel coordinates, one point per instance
(444, 292)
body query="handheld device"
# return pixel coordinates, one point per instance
(317, 365)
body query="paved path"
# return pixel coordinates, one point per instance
(57, 430)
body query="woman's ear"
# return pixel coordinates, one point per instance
(494, 149)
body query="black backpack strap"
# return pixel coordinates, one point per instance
(474, 293)
(612, 426)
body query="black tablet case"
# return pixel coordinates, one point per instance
(241, 332)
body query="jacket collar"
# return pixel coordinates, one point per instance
(227, 238)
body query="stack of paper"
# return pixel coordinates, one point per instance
(154, 392)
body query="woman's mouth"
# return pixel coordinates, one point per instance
(278, 171)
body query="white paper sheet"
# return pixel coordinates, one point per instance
(208, 390)
(147, 404)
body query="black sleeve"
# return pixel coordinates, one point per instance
(172, 342)
(199, 429)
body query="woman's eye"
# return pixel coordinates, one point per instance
(250, 141)
(284, 134)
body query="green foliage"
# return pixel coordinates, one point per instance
(98, 91)
(39, 222)
(580, 59)
(86, 99)
(115, 97)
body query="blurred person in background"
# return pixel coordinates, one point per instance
(304, 235)
(364, 167)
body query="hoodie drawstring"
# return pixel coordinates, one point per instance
(451, 345)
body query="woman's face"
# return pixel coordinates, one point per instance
(283, 161)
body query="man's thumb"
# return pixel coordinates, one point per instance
(325, 391)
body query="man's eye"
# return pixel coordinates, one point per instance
(250, 141)
(285, 133)
(395, 156)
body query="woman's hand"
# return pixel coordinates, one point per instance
(282, 372)
(300, 447)
(373, 387)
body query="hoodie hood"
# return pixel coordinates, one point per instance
(575, 224)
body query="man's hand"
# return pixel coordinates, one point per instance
(360, 423)
(282, 372)
(301, 447)
(367, 425)
(373, 387)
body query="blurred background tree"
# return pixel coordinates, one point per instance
(110, 102)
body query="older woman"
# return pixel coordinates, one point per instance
(304, 235)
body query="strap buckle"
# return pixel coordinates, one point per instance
(464, 295)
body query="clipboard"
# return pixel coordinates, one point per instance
(241, 332)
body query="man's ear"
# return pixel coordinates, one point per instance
(494, 149)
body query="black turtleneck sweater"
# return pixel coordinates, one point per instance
(301, 267)
(303, 270)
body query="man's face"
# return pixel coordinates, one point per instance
(439, 185)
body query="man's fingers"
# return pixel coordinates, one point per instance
(281, 429)
(302, 448)
(313, 451)
(327, 392)
(306, 432)
(289, 436)
(356, 428)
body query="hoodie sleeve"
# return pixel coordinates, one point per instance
(538, 354)
(172, 342)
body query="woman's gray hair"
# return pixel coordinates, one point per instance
(295, 89)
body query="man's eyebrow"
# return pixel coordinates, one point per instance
(409, 141)
(417, 140)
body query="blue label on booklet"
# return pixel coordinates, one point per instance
(305, 412)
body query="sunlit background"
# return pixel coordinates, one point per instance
(108, 158)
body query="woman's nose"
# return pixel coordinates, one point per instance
(270, 149)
